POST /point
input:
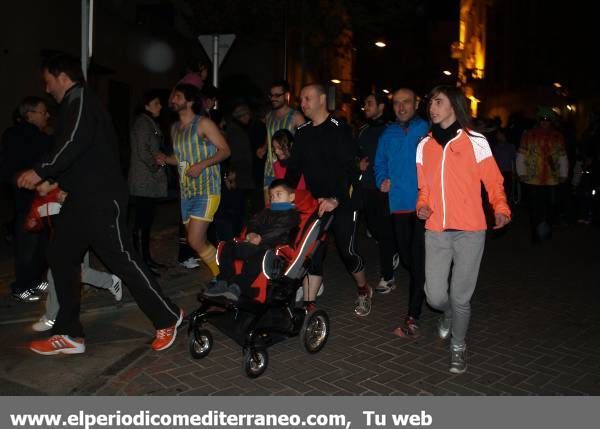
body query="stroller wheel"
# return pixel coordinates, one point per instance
(315, 331)
(255, 362)
(200, 343)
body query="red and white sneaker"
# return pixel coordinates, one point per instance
(166, 337)
(58, 344)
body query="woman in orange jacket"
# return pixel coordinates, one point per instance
(452, 161)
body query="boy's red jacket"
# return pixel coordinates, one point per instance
(449, 181)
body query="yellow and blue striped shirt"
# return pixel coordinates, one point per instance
(189, 149)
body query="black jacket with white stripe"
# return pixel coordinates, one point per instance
(85, 157)
(326, 155)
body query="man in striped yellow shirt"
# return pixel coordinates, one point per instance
(198, 147)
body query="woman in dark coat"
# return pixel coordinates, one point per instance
(147, 180)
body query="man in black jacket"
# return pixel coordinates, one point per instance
(85, 162)
(325, 153)
(375, 205)
(275, 225)
(23, 145)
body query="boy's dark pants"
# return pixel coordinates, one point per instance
(252, 256)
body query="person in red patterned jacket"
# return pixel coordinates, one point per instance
(542, 165)
(452, 162)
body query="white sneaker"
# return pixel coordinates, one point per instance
(385, 286)
(44, 324)
(300, 292)
(116, 288)
(190, 263)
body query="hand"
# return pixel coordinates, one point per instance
(28, 179)
(424, 212)
(160, 159)
(501, 220)
(260, 152)
(230, 181)
(45, 187)
(385, 185)
(363, 164)
(327, 205)
(195, 170)
(62, 196)
(253, 238)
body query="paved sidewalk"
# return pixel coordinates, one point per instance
(535, 331)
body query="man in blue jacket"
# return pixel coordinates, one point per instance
(396, 173)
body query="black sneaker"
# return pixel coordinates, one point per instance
(27, 296)
(42, 286)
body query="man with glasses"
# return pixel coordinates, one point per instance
(23, 145)
(282, 116)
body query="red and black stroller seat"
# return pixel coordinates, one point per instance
(289, 263)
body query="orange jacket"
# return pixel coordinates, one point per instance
(449, 181)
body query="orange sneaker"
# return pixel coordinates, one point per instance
(58, 344)
(165, 337)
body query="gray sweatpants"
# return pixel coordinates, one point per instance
(89, 276)
(465, 249)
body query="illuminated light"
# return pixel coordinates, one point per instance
(447, 72)
(387, 91)
(556, 110)
(569, 108)
(593, 192)
(557, 85)
(380, 44)
(336, 81)
(354, 99)
(362, 108)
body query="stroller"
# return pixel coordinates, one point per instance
(271, 315)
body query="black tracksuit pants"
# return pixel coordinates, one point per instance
(100, 224)
(410, 238)
(379, 222)
(343, 228)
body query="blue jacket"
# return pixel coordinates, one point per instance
(396, 160)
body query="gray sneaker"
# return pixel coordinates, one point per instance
(385, 286)
(458, 359)
(396, 261)
(221, 288)
(364, 303)
(444, 326)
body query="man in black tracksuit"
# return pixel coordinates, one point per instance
(325, 153)
(85, 163)
(375, 204)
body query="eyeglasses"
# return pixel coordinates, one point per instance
(276, 95)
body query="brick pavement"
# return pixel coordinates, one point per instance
(535, 331)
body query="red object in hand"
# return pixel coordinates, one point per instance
(42, 207)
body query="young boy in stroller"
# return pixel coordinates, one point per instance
(273, 226)
(256, 307)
